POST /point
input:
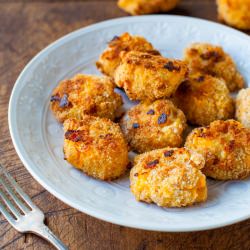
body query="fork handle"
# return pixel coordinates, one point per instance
(48, 235)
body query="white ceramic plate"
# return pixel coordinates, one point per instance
(38, 137)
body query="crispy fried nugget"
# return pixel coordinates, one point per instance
(169, 177)
(204, 99)
(85, 94)
(152, 126)
(140, 7)
(149, 77)
(243, 107)
(235, 13)
(96, 146)
(226, 148)
(110, 58)
(210, 59)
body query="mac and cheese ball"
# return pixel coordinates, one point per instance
(204, 99)
(169, 177)
(148, 77)
(225, 146)
(96, 146)
(211, 59)
(235, 13)
(140, 7)
(85, 94)
(243, 107)
(149, 126)
(110, 58)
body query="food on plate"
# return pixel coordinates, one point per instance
(110, 58)
(149, 126)
(96, 146)
(225, 146)
(169, 177)
(85, 94)
(211, 59)
(243, 107)
(204, 99)
(164, 172)
(149, 77)
(235, 13)
(140, 7)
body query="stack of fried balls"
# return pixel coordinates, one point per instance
(170, 169)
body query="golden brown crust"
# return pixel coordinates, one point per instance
(204, 99)
(211, 59)
(149, 126)
(110, 58)
(169, 177)
(96, 146)
(149, 77)
(235, 13)
(140, 7)
(243, 107)
(85, 94)
(226, 148)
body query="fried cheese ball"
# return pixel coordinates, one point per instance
(153, 126)
(85, 94)
(96, 146)
(235, 13)
(149, 77)
(243, 107)
(110, 58)
(140, 7)
(225, 146)
(169, 177)
(211, 59)
(204, 99)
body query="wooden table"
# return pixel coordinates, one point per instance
(26, 27)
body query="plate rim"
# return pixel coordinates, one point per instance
(17, 143)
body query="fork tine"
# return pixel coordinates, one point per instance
(13, 195)
(7, 215)
(8, 203)
(20, 191)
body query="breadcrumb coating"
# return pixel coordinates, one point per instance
(235, 13)
(169, 177)
(96, 146)
(204, 99)
(140, 7)
(149, 77)
(226, 148)
(85, 94)
(110, 58)
(243, 107)
(211, 59)
(149, 126)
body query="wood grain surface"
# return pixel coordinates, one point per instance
(26, 27)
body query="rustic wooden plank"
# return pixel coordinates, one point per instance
(27, 27)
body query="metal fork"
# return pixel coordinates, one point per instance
(32, 219)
